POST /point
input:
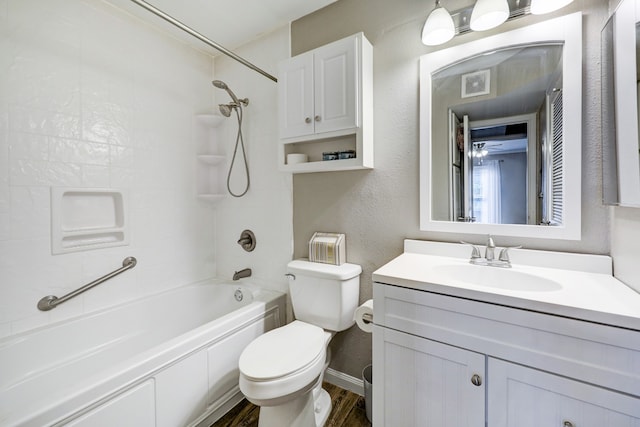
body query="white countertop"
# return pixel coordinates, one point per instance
(590, 293)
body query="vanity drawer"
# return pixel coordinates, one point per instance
(594, 353)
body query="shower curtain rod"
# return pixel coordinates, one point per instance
(202, 38)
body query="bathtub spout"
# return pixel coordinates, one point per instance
(242, 273)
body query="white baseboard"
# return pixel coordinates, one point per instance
(344, 381)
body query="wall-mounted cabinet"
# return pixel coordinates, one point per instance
(325, 105)
(210, 163)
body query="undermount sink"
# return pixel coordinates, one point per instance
(494, 277)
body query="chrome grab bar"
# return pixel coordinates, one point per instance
(50, 301)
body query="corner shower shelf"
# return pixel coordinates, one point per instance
(209, 179)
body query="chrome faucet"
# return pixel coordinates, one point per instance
(242, 273)
(489, 253)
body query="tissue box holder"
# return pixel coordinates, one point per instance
(327, 248)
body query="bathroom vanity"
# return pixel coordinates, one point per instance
(456, 344)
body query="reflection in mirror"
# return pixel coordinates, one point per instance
(504, 138)
(500, 133)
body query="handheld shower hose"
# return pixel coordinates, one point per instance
(225, 109)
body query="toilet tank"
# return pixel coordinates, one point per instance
(324, 295)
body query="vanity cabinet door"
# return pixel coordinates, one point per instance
(526, 397)
(419, 382)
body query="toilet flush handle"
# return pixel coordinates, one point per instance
(291, 276)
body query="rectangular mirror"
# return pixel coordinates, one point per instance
(620, 76)
(500, 133)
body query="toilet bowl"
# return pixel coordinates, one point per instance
(282, 371)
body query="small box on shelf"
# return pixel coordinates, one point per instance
(328, 248)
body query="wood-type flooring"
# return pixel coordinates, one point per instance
(347, 410)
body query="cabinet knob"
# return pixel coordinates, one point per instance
(476, 380)
(567, 424)
(307, 120)
(318, 118)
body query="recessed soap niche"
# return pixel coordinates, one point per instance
(88, 218)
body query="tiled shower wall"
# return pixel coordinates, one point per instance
(91, 97)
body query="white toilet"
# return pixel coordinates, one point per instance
(282, 370)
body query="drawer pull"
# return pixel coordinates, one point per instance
(567, 424)
(476, 380)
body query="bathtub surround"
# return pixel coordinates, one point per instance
(377, 209)
(85, 108)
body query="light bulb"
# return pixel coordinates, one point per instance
(438, 28)
(540, 7)
(489, 14)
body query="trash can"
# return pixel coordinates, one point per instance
(367, 379)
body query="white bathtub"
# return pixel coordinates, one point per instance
(163, 361)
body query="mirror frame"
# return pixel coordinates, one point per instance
(621, 165)
(566, 29)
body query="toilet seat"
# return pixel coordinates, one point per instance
(282, 362)
(282, 351)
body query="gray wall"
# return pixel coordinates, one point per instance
(377, 209)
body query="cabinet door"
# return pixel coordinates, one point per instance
(525, 397)
(336, 82)
(418, 382)
(295, 96)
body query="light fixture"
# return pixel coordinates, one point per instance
(438, 28)
(481, 15)
(489, 14)
(539, 7)
(479, 150)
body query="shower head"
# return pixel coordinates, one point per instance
(225, 109)
(222, 85)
